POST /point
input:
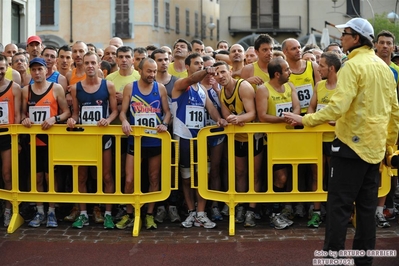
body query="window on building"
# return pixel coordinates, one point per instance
(167, 16)
(196, 25)
(47, 12)
(15, 23)
(217, 30)
(187, 22)
(177, 20)
(353, 8)
(203, 27)
(211, 30)
(156, 21)
(122, 24)
(265, 14)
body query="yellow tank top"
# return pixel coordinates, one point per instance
(173, 72)
(279, 102)
(323, 98)
(259, 73)
(8, 74)
(304, 84)
(235, 105)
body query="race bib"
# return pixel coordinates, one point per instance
(320, 106)
(283, 107)
(145, 119)
(38, 114)
(4, 113)
(91, 114)
(305, 93)
(195, 117)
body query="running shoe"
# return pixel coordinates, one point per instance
(39, 219)
(161, 214)
(315, 221)
(203, 221)
(278, 222)
(149, 222)
(173, 214)
(189, 220)
(299, 211)
(7, 218)
(240, 216)
(249, 219)
(81, 221)
(225, 210)
(126, 221)
(121, 212)
(108, 222)
(388, 215)
(287, 213)
(97, 215)
(380, 221)
(51, 220)
(216, 215)
(73, 215)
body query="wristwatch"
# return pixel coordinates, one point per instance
(57, 118)
(165, 124)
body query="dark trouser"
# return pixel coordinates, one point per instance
(352, 180)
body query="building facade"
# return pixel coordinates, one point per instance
(161, 22)
(17, 20)
(137, 22)
(292, 18)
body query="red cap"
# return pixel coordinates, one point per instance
(33, 38)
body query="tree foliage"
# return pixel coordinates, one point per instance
(381, 22)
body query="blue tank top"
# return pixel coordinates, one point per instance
(213, 96)
(188, 112)
(395, 73)
(98, 99)
(145, 110)
(52, 78)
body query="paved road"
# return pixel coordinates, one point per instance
(172, 245)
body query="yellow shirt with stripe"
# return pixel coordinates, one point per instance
(173, 72)
(8, 74)
(258, 72)
(304, 84)
(323, 98)
(235, 105)
(279, 102)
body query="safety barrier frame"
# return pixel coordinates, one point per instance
(285, 145)
(87, 152)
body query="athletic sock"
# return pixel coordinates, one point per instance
(40, 209)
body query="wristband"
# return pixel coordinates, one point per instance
(165, 124)
(214, 54)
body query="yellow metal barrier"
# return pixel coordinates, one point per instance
(83, 147)
(285, 145)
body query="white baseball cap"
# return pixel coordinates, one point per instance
(360, 25)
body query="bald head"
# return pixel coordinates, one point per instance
(110, 55)
(116, 41)
(10, 50)
(237, 53)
